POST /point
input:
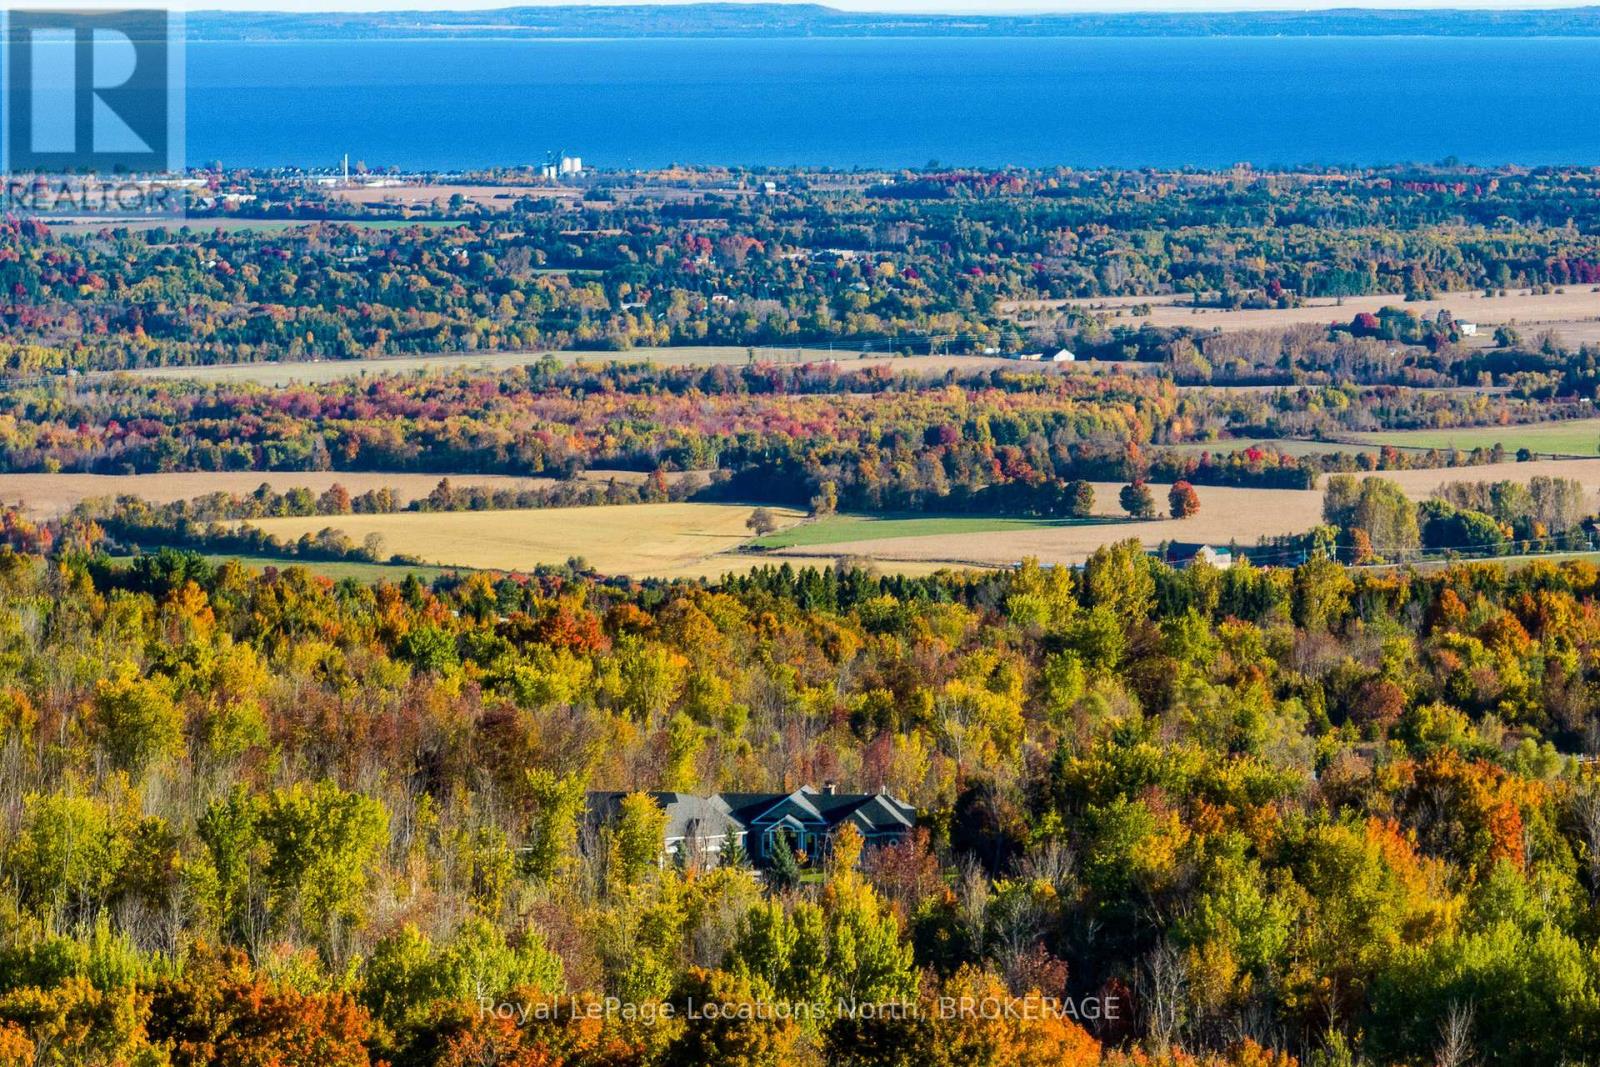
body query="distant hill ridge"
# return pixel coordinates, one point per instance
(816, 20)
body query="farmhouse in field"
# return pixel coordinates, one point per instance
(703, 829)
(1184, 554)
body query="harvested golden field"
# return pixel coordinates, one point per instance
(1574, 334)
(1227, 515)
(640, 540)
(1419, 483)
(54, 494)
(1574, 310)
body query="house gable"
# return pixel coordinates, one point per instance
(883, 814)
(810, 818)
(797, 804)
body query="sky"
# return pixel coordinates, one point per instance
(990, 7)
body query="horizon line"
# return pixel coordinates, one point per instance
(901, 8)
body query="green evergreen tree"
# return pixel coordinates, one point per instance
(783, 870)
(735, 855)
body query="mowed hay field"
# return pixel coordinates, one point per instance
(1570, 437)
(639, 540)
(1575, 309)
(49, 495)
(1227, 515)
(837, 529)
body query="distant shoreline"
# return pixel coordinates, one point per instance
(799, 21)
(529, 39)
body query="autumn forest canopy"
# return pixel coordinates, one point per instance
(1301, 796)
(1312, 811)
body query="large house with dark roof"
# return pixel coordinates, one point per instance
(701, 829)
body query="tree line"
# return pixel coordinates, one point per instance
(1001, 442)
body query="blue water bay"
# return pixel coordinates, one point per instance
(886, 102)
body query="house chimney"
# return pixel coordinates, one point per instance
(829, 788)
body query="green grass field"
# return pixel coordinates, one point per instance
(838, 529)
(361, 572)
(1571, 437)
(1507, 562)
